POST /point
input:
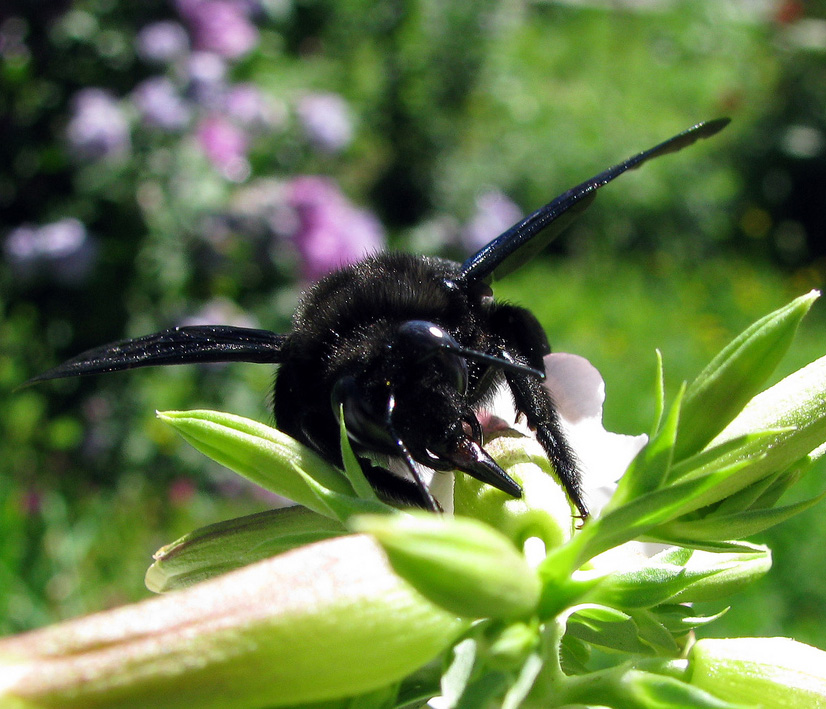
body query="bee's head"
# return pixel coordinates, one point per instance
(419, 409)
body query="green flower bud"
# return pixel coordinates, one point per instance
(461, 564)
(764, 672)
(325, 621)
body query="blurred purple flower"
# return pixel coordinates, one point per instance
(220, 26)
(62, 249)
(249, 107)
(326, 121)
(98, 128)
(162, 42)
(206, 73)
(331, 232)
(495, 212)
(160, 105)
(225, 144)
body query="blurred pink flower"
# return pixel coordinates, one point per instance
(225, 144)
(330, 231)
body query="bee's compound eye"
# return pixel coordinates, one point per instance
(365, 424)
(427, 341)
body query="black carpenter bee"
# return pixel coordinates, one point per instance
(409, 348)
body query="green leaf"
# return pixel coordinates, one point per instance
(642, 587)
(782, 482)
(659, 395)
(483, 691)
(381, 698)
(717, 575)
(735, 375)
(737, 526)
(352, 467)
(650, 468)
(751, 444)
(636, 518)
(218, 548)
(262, 454)
(700, 576)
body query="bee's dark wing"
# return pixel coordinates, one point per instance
(178, 345)
(522, 242)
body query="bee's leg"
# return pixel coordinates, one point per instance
(521, 337)
(532, 399)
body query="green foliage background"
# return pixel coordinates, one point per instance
(449, 100)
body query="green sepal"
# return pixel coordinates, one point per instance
(659, 394)
(224, 546)
(645, 690)
(736, 374)
(679, 618)
(654, 633)
(340, 506)
(608, 628)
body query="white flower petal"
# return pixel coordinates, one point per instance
(578, 392)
